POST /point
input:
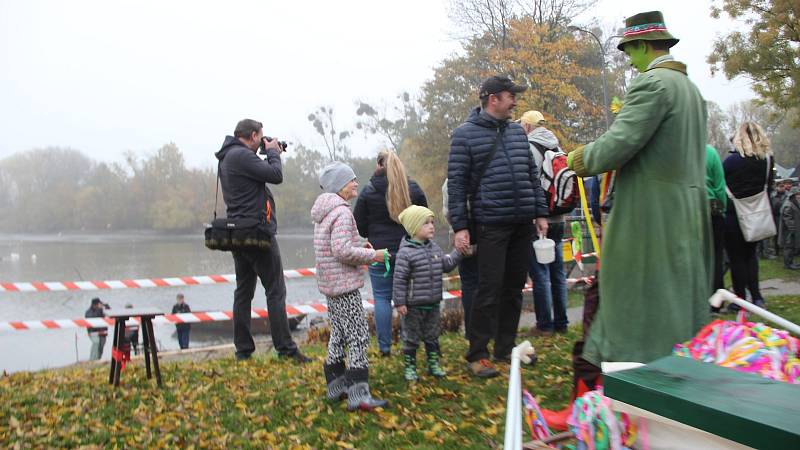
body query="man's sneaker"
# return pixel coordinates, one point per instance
(298, 357)
(507, 360)
(482, 368)
(538, 332)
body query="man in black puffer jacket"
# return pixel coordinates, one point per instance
(494, 200)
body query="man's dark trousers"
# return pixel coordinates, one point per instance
(266, 265)
(503, 252)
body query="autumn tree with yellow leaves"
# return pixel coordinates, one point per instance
(767, 50)
(560, 69)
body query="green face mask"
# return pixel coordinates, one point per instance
(637, 54)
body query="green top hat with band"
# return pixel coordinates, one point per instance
(646, 26)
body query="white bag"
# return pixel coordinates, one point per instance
(755, 214)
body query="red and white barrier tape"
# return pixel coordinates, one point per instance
(196, 280)
(167, 319)
(172, 319)
(212, 316)
(135, 284)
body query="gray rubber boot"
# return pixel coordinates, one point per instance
(358, 396)
(337, 381)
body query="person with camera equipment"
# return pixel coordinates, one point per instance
(243, 177)
(97, 334)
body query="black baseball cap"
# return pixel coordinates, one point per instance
(499, 83)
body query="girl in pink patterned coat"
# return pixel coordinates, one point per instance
(339, 257)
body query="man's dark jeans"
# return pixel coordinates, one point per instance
(468, 271)
(503, 252)
(267, 266)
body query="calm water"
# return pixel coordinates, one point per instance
(114, 257)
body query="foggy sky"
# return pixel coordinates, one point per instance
(104, 77)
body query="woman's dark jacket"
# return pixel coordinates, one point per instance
(744, 177)
(372, 214)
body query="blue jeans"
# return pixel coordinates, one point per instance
(550, 286)
(183, 337)
(382, 293)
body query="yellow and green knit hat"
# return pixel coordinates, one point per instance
(646, 26)
(413, 217)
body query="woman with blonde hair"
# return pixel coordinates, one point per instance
(748, 171)
(388, 193)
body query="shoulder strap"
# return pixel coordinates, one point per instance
(542, 149)
(216, 192)
(766, 180)
(488, 161)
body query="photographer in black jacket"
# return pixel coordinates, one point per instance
(243, 176)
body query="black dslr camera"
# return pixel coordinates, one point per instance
(282, 144)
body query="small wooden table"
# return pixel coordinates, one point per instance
(148, 339)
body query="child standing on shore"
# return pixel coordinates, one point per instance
(339, 258)
(418, 289)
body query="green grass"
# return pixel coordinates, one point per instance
(786, 306)
(574, 298)
(770, 270)
(267, 402)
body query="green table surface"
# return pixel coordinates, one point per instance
(742, 407)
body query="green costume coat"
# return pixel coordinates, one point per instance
(655, 276)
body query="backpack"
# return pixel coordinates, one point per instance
(559, 182)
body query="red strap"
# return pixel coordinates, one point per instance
(121, 356)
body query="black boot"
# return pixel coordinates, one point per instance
(337, 381)
(358, 396)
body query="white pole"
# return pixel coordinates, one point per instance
(723, 295)
(513, 434)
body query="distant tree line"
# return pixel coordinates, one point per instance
(58, 189)
(61, 189)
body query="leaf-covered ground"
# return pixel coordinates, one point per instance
(270, 402)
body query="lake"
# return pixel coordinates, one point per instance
(92, 257)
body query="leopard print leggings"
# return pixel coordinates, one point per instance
(348, 328)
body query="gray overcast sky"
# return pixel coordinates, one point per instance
(108, 76)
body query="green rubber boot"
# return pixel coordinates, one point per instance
(434, 368)
(410, 360)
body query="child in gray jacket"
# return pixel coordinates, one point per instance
(417, 288)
